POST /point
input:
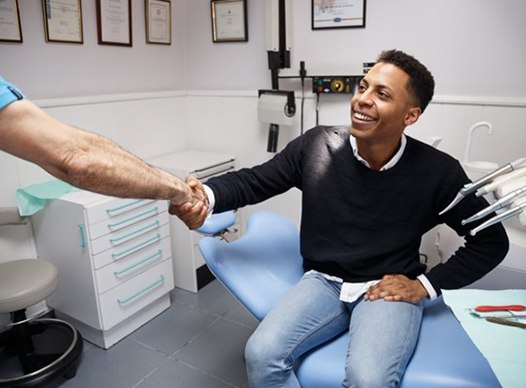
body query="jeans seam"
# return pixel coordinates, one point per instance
(311, 332)
(398, 362)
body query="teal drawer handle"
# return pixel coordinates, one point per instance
(82, 236)
(118, 256)
(142, 292)
(153, 225)
(159, 253)
(153, 210)
(123, 206)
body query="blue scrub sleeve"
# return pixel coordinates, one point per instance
(8, 93)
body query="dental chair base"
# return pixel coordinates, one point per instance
(260, 266)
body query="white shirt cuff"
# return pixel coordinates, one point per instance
(427, 285)
(211, 198)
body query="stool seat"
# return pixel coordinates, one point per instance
(26, 282)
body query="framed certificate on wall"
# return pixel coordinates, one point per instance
(338, 14)
(229, 21)
(63, 21)
(158, 21)
(10, 27)
(114, 22)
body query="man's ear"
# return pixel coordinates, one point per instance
(412, 115)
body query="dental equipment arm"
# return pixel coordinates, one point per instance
(472, 187)
(500, 181)
(501, 217)
(500, 204)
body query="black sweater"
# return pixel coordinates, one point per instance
(360, 224)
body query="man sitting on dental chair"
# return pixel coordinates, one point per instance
(369, 194)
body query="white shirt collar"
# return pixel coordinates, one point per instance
(391, 163)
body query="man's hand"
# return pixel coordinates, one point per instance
(397, 288)
(183, 195)
(194, 213)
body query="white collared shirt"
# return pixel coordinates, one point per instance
(391, 163)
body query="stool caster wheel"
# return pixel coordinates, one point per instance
(70, 374)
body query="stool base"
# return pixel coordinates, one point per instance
(38, 352)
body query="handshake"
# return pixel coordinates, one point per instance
(192, 206)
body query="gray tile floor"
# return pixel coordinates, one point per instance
(197, 343)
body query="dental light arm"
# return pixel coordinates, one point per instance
(277, 42)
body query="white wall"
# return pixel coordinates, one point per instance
(50, 70)
(473, 47)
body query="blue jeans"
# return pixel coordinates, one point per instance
(382, 336)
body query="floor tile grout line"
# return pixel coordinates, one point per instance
(238, 323)
(145, 377)
(197, 335)
(215, 314)
(150, 347)
(206, 374)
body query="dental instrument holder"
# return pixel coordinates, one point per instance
(499, 204)
(514, 211)
(470, 188)
(513, 199)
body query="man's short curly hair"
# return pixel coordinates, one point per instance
(421, 81)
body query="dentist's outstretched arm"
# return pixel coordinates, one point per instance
(84, 159)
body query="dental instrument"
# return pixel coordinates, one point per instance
(500, 204)
(486, 179)
(511, 307)
(500, 217)
(500, 181)
(504, 321)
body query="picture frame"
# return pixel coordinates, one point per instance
(229, 21)
(63, 21)
(328, 14)
(158, 21)
(114, 22)
(10, 26)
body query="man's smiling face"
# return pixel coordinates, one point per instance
(383, 105)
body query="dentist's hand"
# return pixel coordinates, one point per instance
(182, 195)
(194, 213)
(397, 288)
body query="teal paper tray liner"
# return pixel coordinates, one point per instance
(31, 199)
(503, 346)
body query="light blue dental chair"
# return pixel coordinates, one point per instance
(260, 266)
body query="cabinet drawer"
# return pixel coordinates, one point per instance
(132, 233)
(118, 272)
(127, 219)
(145, 242)
(136, 293)
(114, 207)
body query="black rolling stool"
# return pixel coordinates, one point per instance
(46, 348)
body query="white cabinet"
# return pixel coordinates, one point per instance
(190, 271)
(114, 261)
